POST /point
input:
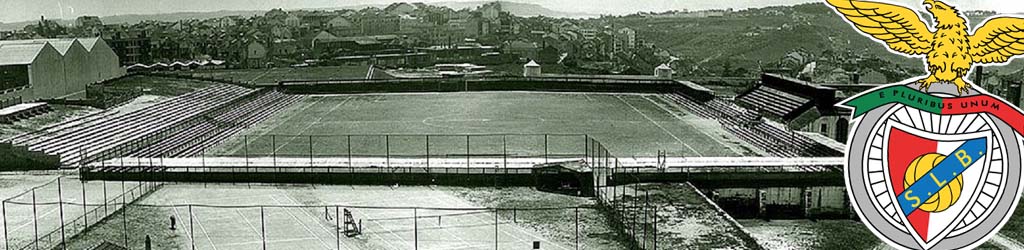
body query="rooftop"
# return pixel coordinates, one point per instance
(20, 54)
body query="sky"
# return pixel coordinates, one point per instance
(22, 10)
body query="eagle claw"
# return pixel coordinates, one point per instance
(926, 83)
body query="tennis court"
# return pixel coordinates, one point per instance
(226, 216)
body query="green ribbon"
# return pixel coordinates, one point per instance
(894, 94)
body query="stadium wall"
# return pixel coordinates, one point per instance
(494, 84)
(741, 179)
(339, 178)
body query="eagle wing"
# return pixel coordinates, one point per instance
(997, 40)
(899, 27)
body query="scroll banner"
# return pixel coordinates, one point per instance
(937, 105)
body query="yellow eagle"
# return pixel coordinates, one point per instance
(949, 50)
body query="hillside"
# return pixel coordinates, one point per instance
(518, 9)
(762, 37)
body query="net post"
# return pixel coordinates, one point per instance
(3, 211)
(35, 220)
(124, 214)
(337, 227)
(415, 229)
(105, 201)
(577, 227)
(60, 208)
(263, 230)
(191, 228)
(496, 228)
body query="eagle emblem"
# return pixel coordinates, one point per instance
(949, 49)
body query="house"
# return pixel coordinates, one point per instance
(400, 8)
(251, 54)
(292, 21)
(377, 23)
(341, 26)
(523, 49)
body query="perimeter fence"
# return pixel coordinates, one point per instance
(620, 200)
(48, 215)
(68, 214)
(362, 150)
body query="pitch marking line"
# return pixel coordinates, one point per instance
(659, 126)
(315, 122)
(727, 145)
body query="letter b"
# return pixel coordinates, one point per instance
(964, 158)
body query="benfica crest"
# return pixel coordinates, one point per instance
(934, 163)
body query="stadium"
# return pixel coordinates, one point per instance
(355, 157)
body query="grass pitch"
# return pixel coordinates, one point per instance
(627, 124)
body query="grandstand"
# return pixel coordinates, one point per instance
(204, 112)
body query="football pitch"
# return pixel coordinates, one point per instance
(627, 124)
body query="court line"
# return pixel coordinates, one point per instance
(203, 229)
(445, 229)
(729, 146)
(269, 241)
(659, 126)
(311, 233)
(253, 228)
(191, 239)
(316, 218)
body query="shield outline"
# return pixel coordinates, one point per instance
(947, 229)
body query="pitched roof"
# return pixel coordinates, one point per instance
(89, 43)
(20, 54)
(324, 35)
(62, 45)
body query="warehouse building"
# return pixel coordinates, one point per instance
(43, 69)
(104, 61)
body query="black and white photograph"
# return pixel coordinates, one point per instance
(511, 124)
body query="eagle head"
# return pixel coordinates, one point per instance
(945, 16)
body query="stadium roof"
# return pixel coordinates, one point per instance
(20, 54)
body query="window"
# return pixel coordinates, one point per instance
(824, 128)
